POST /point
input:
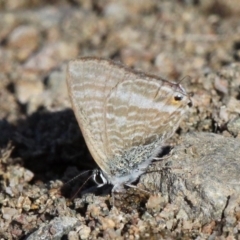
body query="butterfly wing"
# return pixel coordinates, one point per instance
(90, 81)
(141, 111)
(118, 108)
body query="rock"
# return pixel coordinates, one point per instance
(84, 232)
(8, 213)
(50, 56)
(221, 7)
(26, 90)
(57, 85)
(234, 126)
(24, 40)
(200, 176)
(7, 24)
(72, 235)
(55, 229)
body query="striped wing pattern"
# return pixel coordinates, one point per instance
(139, 112)
(88, 91)
(119, 109)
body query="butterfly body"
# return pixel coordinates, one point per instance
(125, 116)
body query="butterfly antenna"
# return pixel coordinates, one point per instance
(74, 178)
(184, 78)
(54, 190)
(81, 186)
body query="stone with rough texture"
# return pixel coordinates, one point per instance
(195, 43)
(200, 176)
(55, 229)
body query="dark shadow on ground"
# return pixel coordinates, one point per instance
(50, 145)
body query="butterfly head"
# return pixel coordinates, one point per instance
(180, 97)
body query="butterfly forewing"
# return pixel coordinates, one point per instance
(90, 81)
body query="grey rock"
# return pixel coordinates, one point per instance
(200, 177)
(234, 126)
(55, 229)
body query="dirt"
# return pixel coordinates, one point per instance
(196, 43)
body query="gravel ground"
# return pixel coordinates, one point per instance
(192, 192)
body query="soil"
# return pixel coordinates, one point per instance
(192, 192)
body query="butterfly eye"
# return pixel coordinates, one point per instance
(178, 98)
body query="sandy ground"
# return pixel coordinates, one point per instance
(195, 42)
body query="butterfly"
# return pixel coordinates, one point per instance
(125, 116)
